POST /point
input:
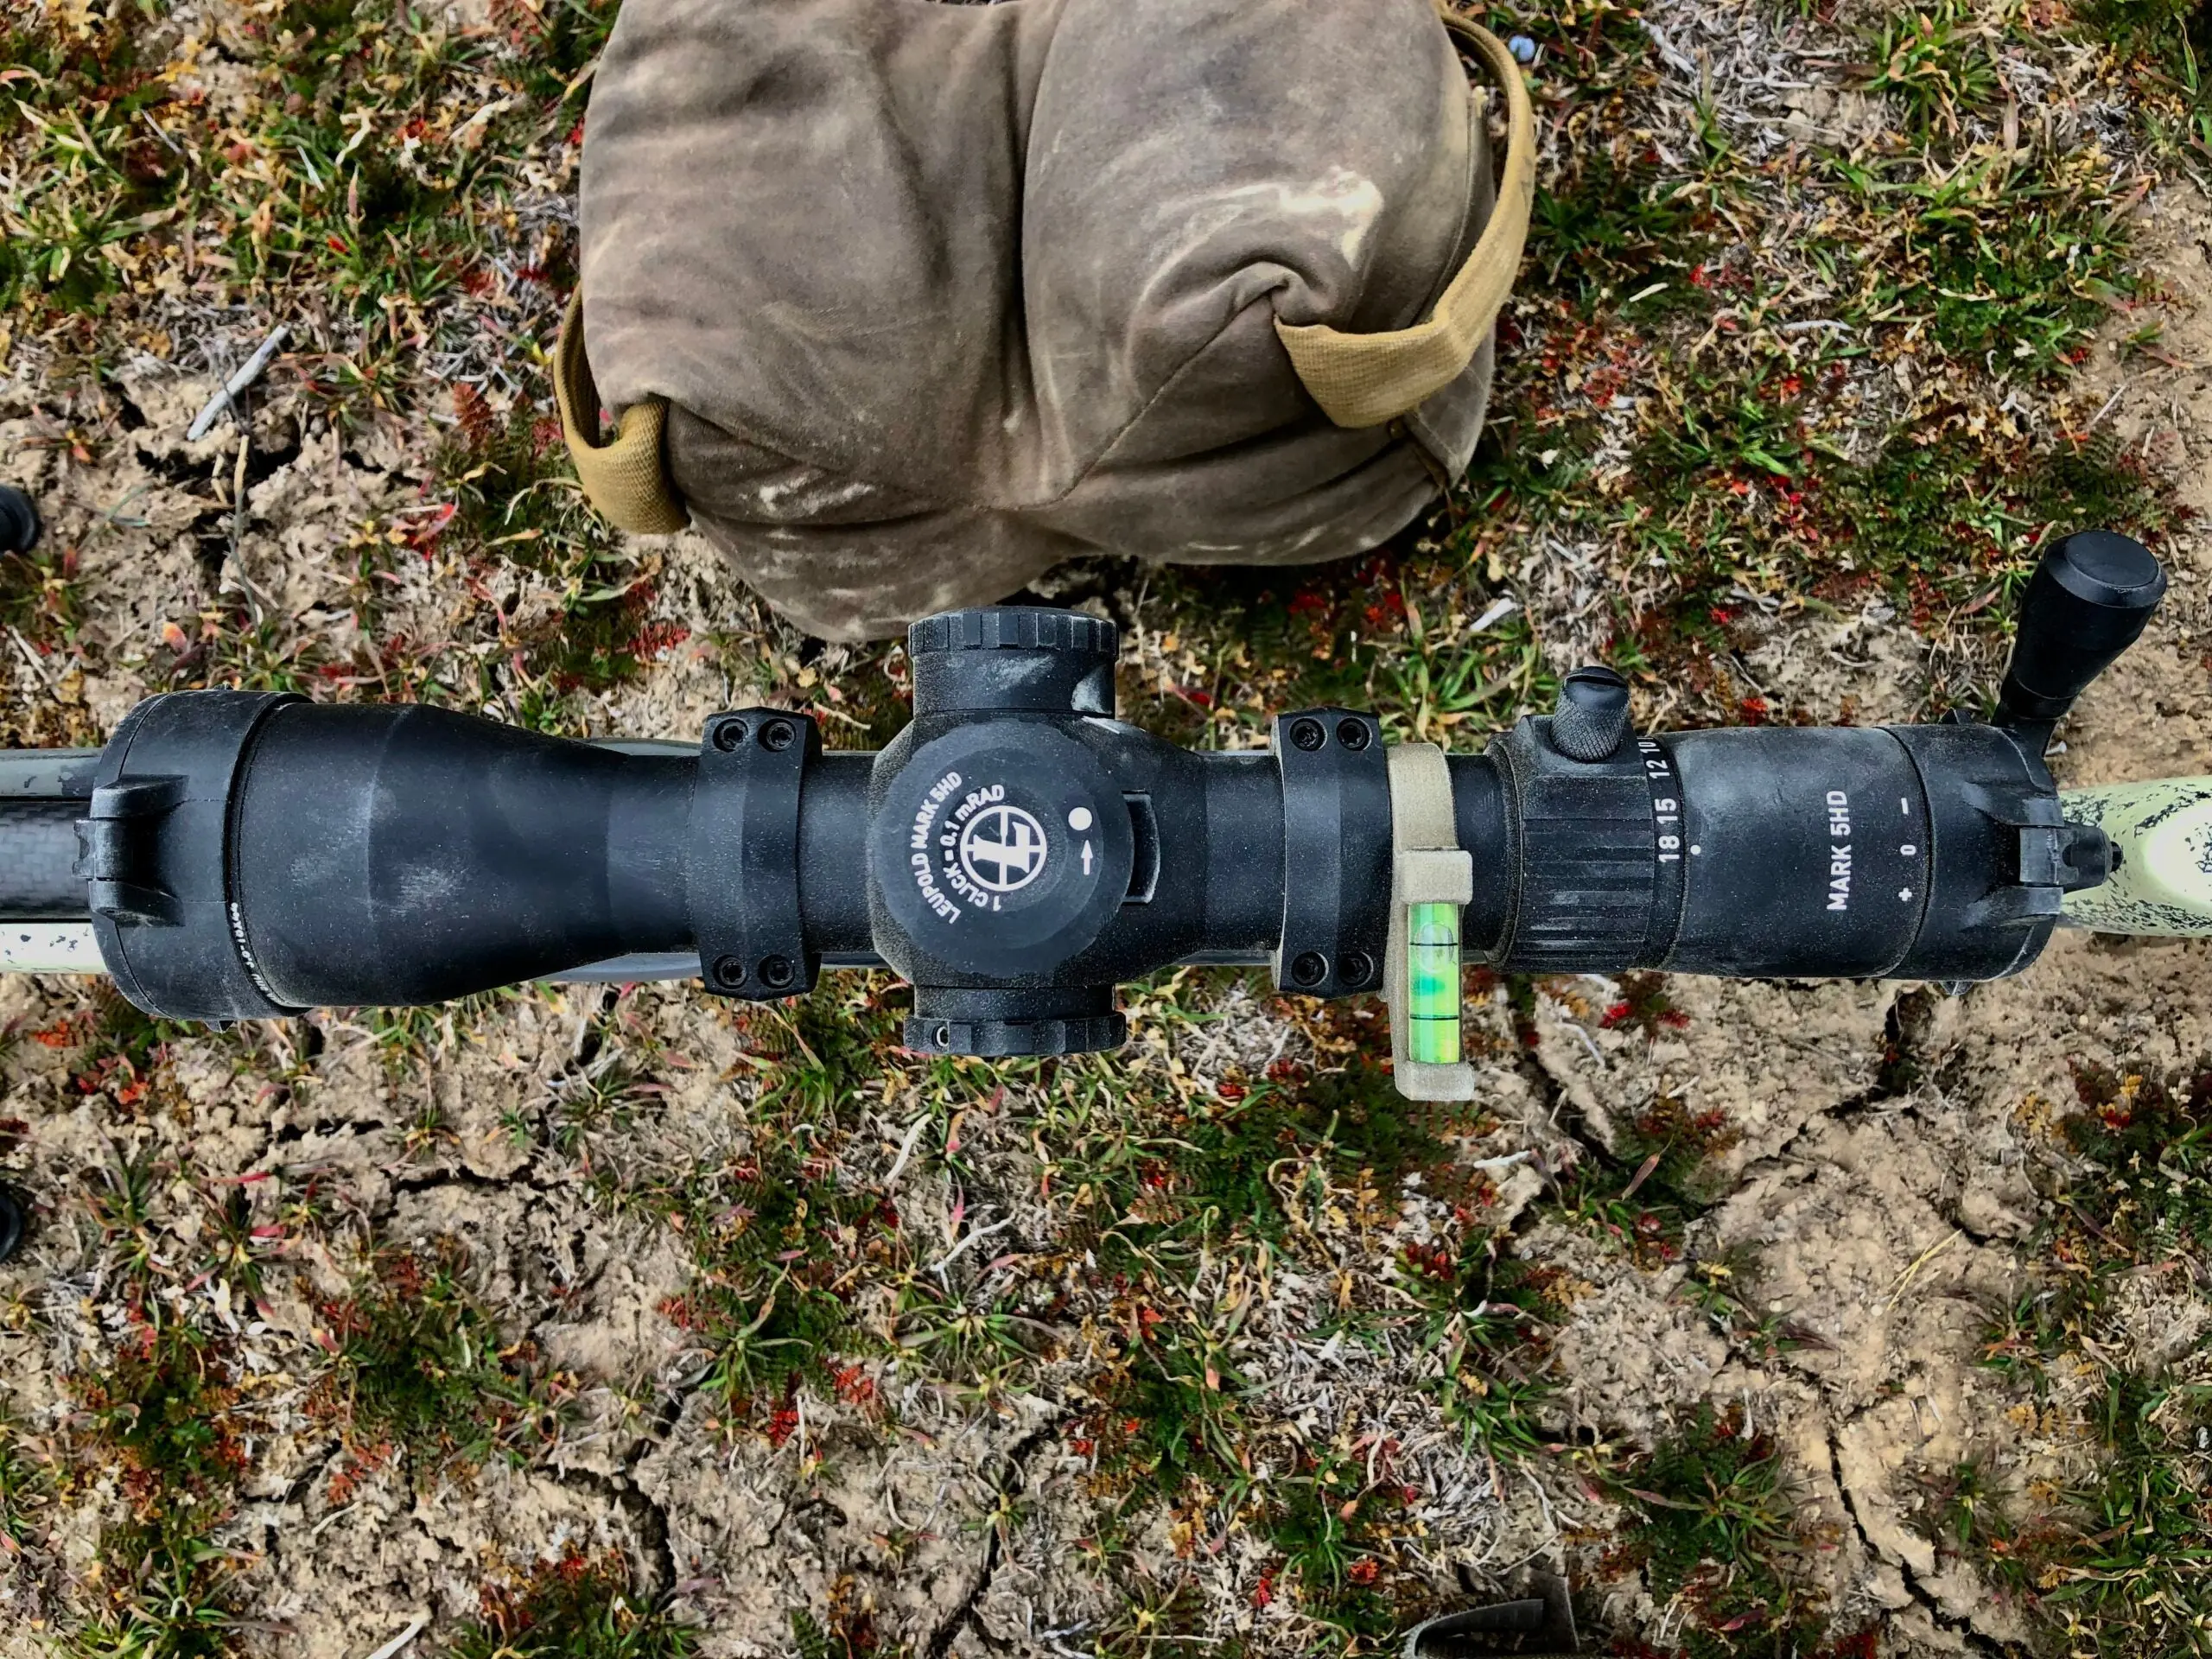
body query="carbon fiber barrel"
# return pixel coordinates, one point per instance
(38, 857)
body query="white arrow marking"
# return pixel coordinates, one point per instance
(1086, 858)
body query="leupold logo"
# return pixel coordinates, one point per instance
(1003, 849)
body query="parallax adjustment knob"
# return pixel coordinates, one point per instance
(1012, 660)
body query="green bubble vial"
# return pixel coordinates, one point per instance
(1433, 984)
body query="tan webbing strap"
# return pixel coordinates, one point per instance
(1427, 866)
(627, 480)
(1367, 379)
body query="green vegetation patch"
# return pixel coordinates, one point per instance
(167, 1412)
(2170, 41)
(424, 1373)
(780, 1236)
(577, 1607)
(2123, 1561)
(1278, 1168)
(129, 178)
(1717, 1528)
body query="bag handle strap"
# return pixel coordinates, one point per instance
(1367, 379)
(627, 480)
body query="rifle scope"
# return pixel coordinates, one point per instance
(1017, 852)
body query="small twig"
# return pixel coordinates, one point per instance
(31, 657)
(1643, 1174)
(414, 1629)
(1499, 609)
(905, 1151)
(953, 1255)
(237, 382)
(332, 1519)
(1911, 1273)
(1492, 1166)
(237, 521)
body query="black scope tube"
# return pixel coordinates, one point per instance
(395, 854)
(411, 855)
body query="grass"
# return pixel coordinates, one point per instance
(167, 1414)
(575, 1606)
(1717, 1529)
(778, 1234)
(128, 179)
(1700, 409)
(2119, 1558)
(1288, 1167)
(2172, 39)
(423, 1376)
(1936, 62)
(515, 500)
(24, 1488)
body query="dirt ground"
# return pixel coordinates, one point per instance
(1884, 1180)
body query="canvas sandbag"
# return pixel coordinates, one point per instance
(902, 303)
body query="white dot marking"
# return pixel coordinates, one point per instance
(1080, 818)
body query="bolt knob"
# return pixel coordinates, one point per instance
(2087, 602)
(1591, 719)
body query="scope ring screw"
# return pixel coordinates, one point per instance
(728, 734)
(776, 737)
(729, 972)
(1307, 735)
(776, 972)
(1352, 733)
(1355, 968)
(1310, 967)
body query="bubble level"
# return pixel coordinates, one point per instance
(1433, 984)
